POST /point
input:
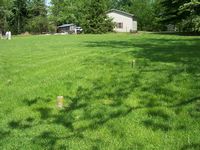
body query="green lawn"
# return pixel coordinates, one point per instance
(108, 103)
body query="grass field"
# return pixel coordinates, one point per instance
(109, 104)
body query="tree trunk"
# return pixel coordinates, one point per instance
(18, 25)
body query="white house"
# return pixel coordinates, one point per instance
(125, 22)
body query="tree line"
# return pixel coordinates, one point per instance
(35, 16)
(20, 16)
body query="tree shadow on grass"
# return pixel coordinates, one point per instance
(192, 103)
(187, 102)
(192, 146)
(160, 113)
(184, 54)
(159, 119)
(177, 33)
(49, 140)
(179, 51)
(30, 102)
(157, 126)
(21, 124)
(45, 112)
(89, 109)
(4, 134)
(93, 107)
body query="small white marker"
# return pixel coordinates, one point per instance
(60, 101)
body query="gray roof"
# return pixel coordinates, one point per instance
(120, 12)
(66, 25)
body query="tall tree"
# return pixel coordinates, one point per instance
(184, 13)
(112, 4)
(170, 10)
(20, 14)
(156, 23)
(5, 13)
(37, 13)
(190, 12)
(143, 10)
(95, 19)
(66, 11)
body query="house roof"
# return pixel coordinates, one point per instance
(65, 25)
(120, 12)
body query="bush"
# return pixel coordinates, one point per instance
(191, 24)
(37, 24)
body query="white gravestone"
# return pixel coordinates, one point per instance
(9, 35)
(1, 35)
(6, 35)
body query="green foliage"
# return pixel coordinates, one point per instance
(156, 22)
(37, 20)
(191, 8)
(19, 16)
(143, 10)
(196, 26)
(23, 15)
(37, 8)
(152, 15)
(191, 21)
(66, 11)
(183, 12)
(5, 14)
(91, 15)
(95, 20)
(37, 24)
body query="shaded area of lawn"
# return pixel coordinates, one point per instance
(178, 33)
(88, 110)
(82, 114)
(180, 51)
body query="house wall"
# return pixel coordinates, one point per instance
(134, 25)
(128, 22)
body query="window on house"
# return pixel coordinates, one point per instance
(119, 25)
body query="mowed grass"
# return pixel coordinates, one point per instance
(109, 104)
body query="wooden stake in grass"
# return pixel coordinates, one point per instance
(185, 68)
(60, 101)
(133, 63)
